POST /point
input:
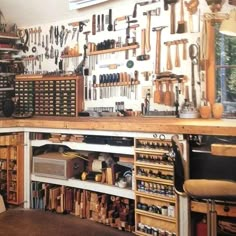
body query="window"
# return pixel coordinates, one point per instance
(220, 67)
(225, 72)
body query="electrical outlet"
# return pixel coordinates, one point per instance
(145, 90)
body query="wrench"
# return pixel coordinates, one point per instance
(31, 34)
(43, 41)
(51, 52)
(46, 48)
(51, 34)
(66, 35)
(35, 36)
(73, 34)
(62, 33)
(56, 34)
(39, 36)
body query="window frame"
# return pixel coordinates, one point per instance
(210, 62)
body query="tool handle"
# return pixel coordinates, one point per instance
(135, 10)
(120, 18)
(181, 10)
(94, 24)
(168, 62)
(143, 37)
(172, 18)
(184, 50)
(125, 78)
(148, 26)
(121, 78)
(177, 60)
(158, 51)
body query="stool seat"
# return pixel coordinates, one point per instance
(212, 189)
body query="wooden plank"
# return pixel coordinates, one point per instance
(210, 64)
(201, 207)
(223, 150)
(113, 50)
(41, 78)
(129, 124)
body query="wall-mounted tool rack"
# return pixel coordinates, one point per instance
(49, 95)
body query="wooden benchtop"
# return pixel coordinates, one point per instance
(132, 124)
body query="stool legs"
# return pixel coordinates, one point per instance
(211, 219)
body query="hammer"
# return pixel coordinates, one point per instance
(172, 13)
(141, 4)
(149, 13)
(158, 47)
(121, 18)
(143, 56)
(169, 65)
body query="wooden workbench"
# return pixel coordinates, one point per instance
(130, 124)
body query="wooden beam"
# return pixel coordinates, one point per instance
(210, 67)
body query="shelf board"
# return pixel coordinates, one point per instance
(153, 151)
(155, 197)
(6, 74)
(88, 147)
(6, 61)
(9, 49)
(156, 180)
(137, 232)
(88, 185)
(156, 216)
(113, 50)
(154, 166)
(70, 56)
(8, 36)
(12, 202)
(14, 191)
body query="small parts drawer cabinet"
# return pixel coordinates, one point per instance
(49, 95)
(155, 198)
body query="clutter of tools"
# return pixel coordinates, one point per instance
(167, 85)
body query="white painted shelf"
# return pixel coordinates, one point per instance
(9, 50)
(88, 147)
(5, 36)
(88, 185)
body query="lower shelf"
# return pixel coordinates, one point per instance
(201, 207)
(88, 185)
(156, 216)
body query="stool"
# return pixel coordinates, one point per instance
(209, 189)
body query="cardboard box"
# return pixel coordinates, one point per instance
(56, 165)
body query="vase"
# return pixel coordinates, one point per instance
(217, 110)
(205, 112)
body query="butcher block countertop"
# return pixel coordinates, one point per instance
(130, 124)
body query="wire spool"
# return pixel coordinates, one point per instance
(98, 165)
(8, 107)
